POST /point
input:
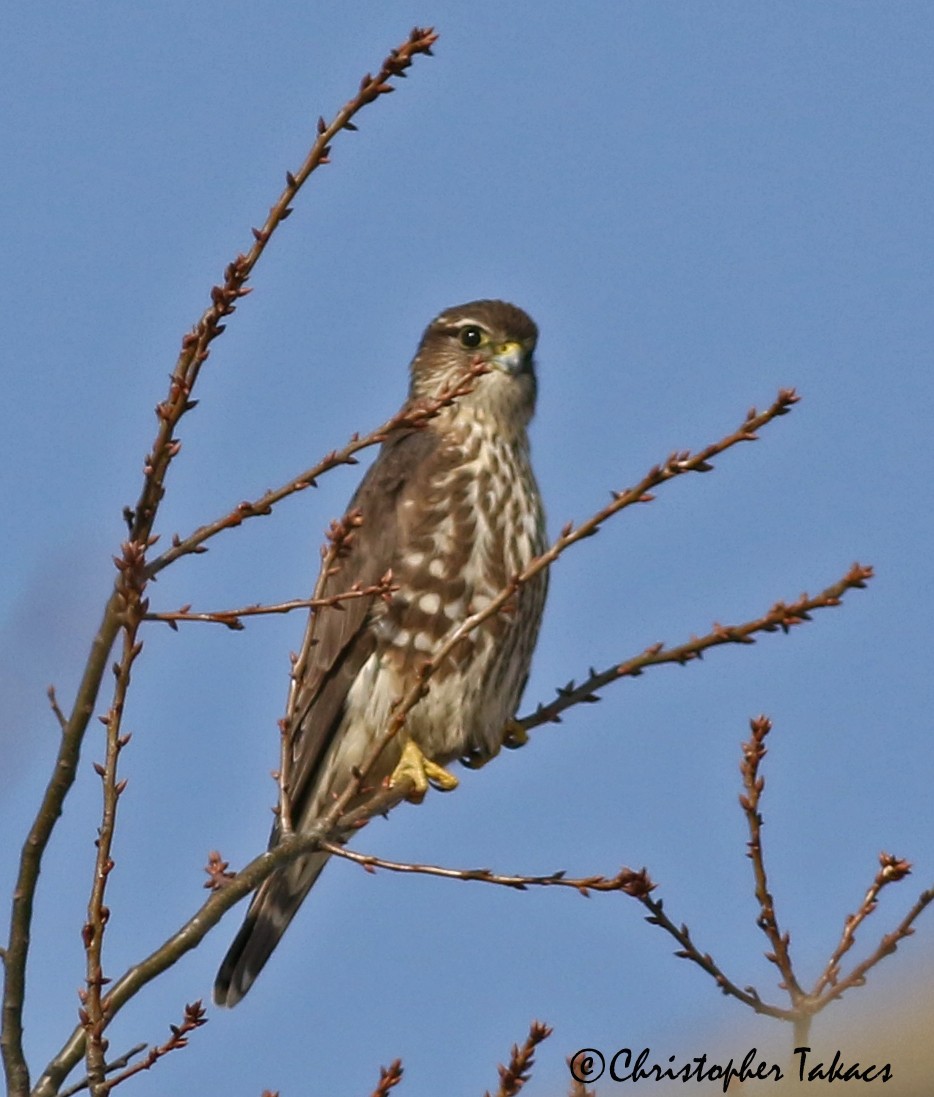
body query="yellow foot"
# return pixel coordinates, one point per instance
(421, 771)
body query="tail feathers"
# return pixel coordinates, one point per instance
(272, 909)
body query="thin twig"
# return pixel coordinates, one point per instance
(109, 1068)
(783, 616)
(578, 1089)
(389, 1077)
(886, 947)
(626, 880)
(338, 540)
(232, 617)
(33, 850)
(689, 951)
(753, 752)
(521, 1060)
(196, 344)
(891, 870)
(194, 1018)
(130, 585)
(410, 417)
(56, 710)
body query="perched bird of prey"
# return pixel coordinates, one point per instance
(453, 509)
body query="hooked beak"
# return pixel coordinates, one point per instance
(512, 357)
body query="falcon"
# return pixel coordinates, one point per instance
(453, 509)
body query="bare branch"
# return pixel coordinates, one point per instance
(413, 416)
(626, 880)
(194, 1018)
(783, 616)
(753, 753)
(232, 617)
(194, 351)
(389, 1077)
(521, 1060)
(196, 344)
(56, 710)
(130, 585)
(892, 869)
(689, 951)
(50, 809)
(109, 1068)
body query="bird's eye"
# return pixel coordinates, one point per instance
(471, 336)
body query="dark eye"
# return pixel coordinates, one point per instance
(471, 336)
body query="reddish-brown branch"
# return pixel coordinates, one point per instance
(689, 951)
(415, 416)
(521, 1060)
(782, 616)
(112, 1065)
(130, 587)
(753, 752)
(196, 344)
(389, 1077)
(888, 945)
(626, 880)
(891, 870)
(140, 519)
(232, 617)
(194, 1018)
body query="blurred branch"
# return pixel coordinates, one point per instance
(892, 869)
(56, 709)
(521, 1060)
(389, 1077)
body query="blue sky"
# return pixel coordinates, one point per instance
(699, 204)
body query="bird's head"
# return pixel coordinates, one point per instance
(495, 333)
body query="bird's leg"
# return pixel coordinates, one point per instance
(421, 771)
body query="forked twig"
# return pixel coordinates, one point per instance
(109, 1067)
(830, 985)
(194, 1018)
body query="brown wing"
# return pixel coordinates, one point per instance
(344, 637)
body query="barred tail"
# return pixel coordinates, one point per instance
(273, 907)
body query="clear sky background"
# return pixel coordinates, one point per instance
(699, 203)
